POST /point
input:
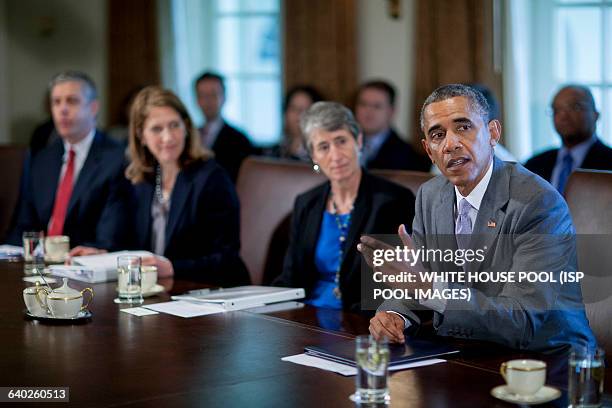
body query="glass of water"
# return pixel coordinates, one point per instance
(372, 359)
(33, 252)
(129, 280)
(586, 377)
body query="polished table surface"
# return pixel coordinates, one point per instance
(223, 360)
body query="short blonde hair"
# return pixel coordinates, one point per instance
(142, 162)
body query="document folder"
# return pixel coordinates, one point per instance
(243, 297)
(413, 350)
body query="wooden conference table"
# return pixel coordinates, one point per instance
(227, 360)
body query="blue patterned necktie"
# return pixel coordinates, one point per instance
(463, 226)
(567, 165)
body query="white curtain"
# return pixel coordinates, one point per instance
(185, 25)
(516, 75)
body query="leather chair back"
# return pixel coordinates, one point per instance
(589, 196)
(11, 167)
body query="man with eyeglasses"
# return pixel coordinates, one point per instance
(575, 117)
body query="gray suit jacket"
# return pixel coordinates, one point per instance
(526, 226)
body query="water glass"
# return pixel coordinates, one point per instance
(33, 252)
(129, 277)
(372, 359)
(586, 377)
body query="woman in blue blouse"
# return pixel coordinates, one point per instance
(328, 220)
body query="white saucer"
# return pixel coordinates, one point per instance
(544, 394)
(81, 316)
(155, 290)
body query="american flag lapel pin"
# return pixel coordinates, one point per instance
(491, 224)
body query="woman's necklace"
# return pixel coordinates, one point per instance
(159, 194)
(343, 227)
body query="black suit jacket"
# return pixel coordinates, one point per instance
(398, 155)
(231, 147)
(203, 227)
(96, 211)
(598, 157)
(381, 206)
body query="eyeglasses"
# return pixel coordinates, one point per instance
(575, 108)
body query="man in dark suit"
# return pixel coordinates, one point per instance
(76, 185)
(230, 145)
(575, 118)
(481, 203)
(383, 148)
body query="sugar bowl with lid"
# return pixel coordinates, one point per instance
(65, 302)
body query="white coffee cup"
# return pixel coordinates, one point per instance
(57, 248)
(148, 277)
(524, 377)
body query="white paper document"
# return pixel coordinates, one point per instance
(310, 361)
(139, 311)
(347, 370)
(11, 250)
(183, 308)
(107, 260)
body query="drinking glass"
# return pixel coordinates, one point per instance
(372, 359)
(129, 279)
(33, 252)
(586, 377)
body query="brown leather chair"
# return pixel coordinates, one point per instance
(589, 196)
(11, 166)
(267, 189)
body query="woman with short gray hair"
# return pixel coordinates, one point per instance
(328, 116)
(328, 220)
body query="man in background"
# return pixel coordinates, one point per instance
(383, 148)
(575, 118)
(230, 145)
(75, 185)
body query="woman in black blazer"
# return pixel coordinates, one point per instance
(328, 220)
(185, 207)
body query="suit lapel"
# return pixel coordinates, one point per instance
(313, 227)
(361, 209)
(444, 213)
(180, 194)
(50, 176)
(591, 158)
(491, 213)
(88, 172)
(143, 217)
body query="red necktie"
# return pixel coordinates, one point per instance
(62, 198)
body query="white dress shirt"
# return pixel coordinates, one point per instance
(212, 131)
(81, 150)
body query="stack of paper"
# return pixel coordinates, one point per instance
(108, 260)
(11, 252)
(94, 268)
